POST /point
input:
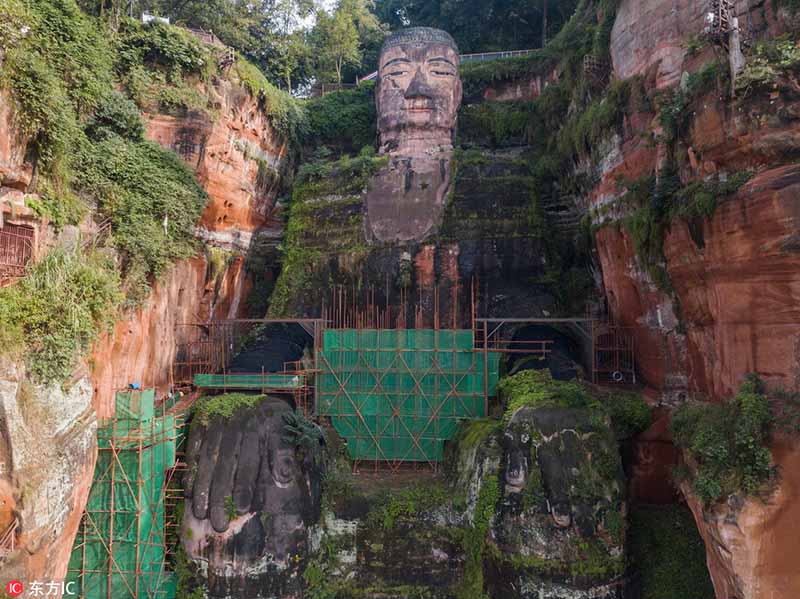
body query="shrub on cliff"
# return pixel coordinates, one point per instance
(152, 198)
(344, 121)
(629, 413)
(538, 388)
(727, 443)
(57, 310)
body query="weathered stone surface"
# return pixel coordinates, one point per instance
(739, 290)
(751, 544)
(141, 347)
(655, 34)
(418, 95)
(650, 461)
(249, 501)
(560, 528)
(47, 454)
(238, 157)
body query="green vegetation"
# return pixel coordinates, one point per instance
(536, 388)
(727, 443)
(770, 60)
(396, 506)
(343, 121)
(161, 66)
(230, 507)
(301, 433)
(152, 198)
(187, 587)
(326, 214)
(674, 113)
(224, 406)
(284, 112)
(55, 312)
(582, 34)
(475, 539)
(655, 203)
(630, 413)
(588, 559)
(668, 553)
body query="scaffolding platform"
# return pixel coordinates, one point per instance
(396, 395)
(121, 546)
(266, 383)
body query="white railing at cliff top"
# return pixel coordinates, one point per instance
(470, 58)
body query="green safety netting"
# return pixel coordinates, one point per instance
(397, 395)
(119, 550)
(249, 381)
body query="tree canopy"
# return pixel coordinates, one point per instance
(298, 42)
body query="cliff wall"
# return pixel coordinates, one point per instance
(47, 443)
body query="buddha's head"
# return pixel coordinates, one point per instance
(419, 88)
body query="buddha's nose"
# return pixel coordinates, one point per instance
(419, 88)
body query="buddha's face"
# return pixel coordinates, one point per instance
(419, 92)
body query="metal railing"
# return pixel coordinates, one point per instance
(8, 539)
(323, 89)
(483, 56)
(16, 250)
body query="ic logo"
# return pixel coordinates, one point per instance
(14, 588)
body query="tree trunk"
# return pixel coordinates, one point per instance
(544, 23)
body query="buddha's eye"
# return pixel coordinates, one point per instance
(396, 74)
(443, 73)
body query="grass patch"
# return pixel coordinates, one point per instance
(727, 443)
(57, 310)
(668, 553)
(538, 388)
(224, 406)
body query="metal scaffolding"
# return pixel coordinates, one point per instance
(123, 540)
(720, 21)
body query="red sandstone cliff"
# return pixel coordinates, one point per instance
(734, 303)
(47, 445)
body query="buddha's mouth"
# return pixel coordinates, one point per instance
(419, 105)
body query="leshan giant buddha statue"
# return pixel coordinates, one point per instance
(417, 96)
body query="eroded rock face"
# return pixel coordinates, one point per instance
(141, 347)
(238, 157)
(653, 34)
(418, 95)
(560, 528)
(751, 545)
(48, 448)
(249, 500)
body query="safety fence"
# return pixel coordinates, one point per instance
(16, 250)
(397, 395)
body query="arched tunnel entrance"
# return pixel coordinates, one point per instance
(565, 357)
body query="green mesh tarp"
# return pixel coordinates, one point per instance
(398, 395)
(249, 381)
(119, 550)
